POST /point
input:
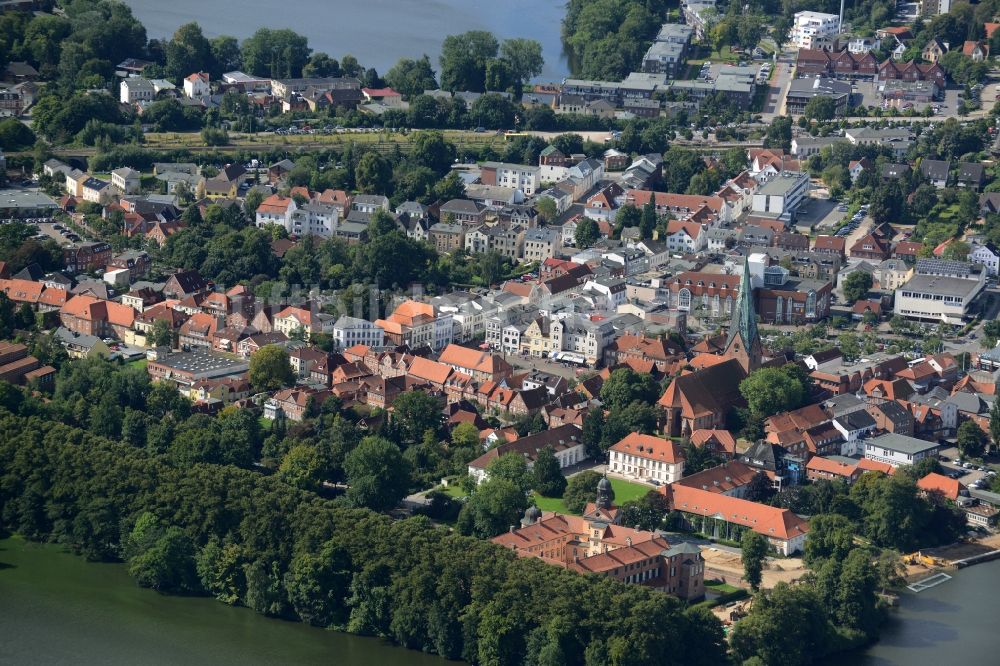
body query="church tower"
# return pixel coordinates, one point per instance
(743, 343)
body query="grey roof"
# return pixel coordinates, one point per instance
(819, 87)
(943, 267)
(902, 443)
(371, 199)
(541, 235)
(970, 172)
(935, 169)
(461, 206)
(66, 336)
(895, 170)
(857, 420)
(782, 184)
(936, 284)
(971, 403)
(25, 199)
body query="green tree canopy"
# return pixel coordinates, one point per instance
(377, 475)
(270, 369)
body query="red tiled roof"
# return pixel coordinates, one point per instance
(648, 446)
(939, 483)
(767, 520)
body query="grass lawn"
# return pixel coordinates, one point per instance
(265, 424)
(550, 503)
(720, 587)
(139, 363)
(454, 490)
(626, 491)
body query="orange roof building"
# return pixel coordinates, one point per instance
(943, 485)
(647, 458)
(715, 514)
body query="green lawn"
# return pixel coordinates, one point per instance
(720, 587)
(625, 491)
(454, 490)
(139, 363)
(550, 503)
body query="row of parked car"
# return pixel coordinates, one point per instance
(854, 223)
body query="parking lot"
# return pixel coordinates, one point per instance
(972, 476)
(817, 213)
(49, 229)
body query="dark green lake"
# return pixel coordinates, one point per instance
(56, 608)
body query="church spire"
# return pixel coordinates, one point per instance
(744, 340)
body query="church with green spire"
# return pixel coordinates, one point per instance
(743, 343)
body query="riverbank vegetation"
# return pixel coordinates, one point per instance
(254, 540)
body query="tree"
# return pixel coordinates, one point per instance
(302, 467)
(970, 440)
(548, 478)
(787, 625)
(463, 60)
(772, 390)
(887, 203)
(857, 285)
(648, 221)
(279, 54)
(587, 233)
(524, 56)
(779, 133)
(546, 207)
(580, 489)
(995, 423)
(270, 369)
(411, 77)
(15, 135)
(432, 151)
(377, 474)
(780, 28)
(647, 513)
(760, 489)
(414, 413)
(318, 584)
(512, 467)
(373, 175)
(188, 52)
(753, 550)
(831, 536)
(625, 386)
(820, 108)
(226, 55)
(161, 335)
(494, 506)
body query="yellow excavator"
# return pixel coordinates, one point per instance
(926, 560)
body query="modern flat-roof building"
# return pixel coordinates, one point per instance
(781, 196)
(812, 30)
(185, 368)
(25, 203)
(897, 450)
(937, 298)
(801, 91)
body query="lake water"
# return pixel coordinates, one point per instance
(376, 32)
(56, 608)
(952, 623)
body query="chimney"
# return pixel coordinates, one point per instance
(512, 528)
(628, 541)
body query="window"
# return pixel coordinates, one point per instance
(684, 299)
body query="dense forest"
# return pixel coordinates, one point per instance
(253, 540)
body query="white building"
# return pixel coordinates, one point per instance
(582, 336)
(987, 256)
(314, 219)
(350, 331)
(647, 458)
(612, 290)
(566, 443)
(125, 180)
(811, 29)
(521, 177)
(782, 195)
(540, 244)
(135, 89)
(276, 209)
(899, 450)
(197, 86)
(935, 298)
